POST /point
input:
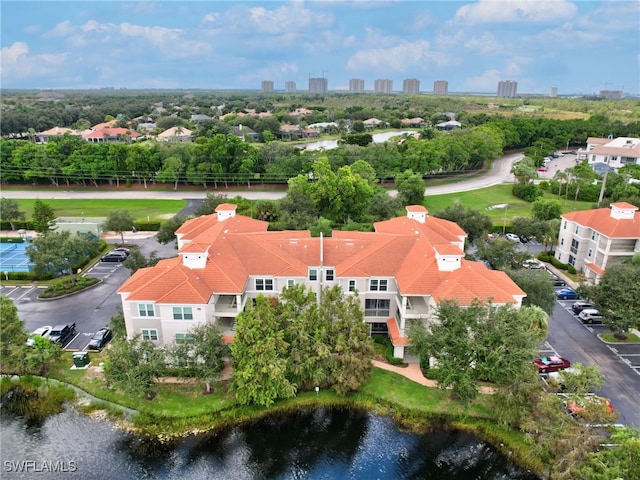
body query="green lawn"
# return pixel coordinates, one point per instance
(140, 209)
(485, 198)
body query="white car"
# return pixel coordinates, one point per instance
(513, 237)
(533, 264)
(42, 331)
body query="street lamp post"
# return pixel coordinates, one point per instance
(504, 223)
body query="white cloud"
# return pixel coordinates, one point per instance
(16, 62)
(62, 29)
(484, 44)
(487, 81)
(399, 58)
(508, 11)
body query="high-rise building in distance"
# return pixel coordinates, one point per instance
(290, 87)
(553, 92)
(411, 86)
(440, 87)
(356, 85)
(507, 88)
(267, 86)
(318, 85)
(383, 86)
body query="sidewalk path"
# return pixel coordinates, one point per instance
(413, 373)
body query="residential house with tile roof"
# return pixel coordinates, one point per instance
(110, 135)
(175, 135)
(44, 137)
(400, 272)
(591, 240)
(615, 152)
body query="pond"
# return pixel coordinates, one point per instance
(311, 444)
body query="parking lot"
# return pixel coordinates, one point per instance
(628, 354)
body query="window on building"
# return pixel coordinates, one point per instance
(577, 229)
(574, 246)
(313, 274)
(594, 235)
(146, 310)
(352, 285)
(564, 225)
(264, 283)
(184, 337)
(378, 285)
(590, 252)
(379, 328)
(149, 334)
(572, 260)
(328, 274)
(562, 241)
(376, 307)
(182, 313)
(291, 282)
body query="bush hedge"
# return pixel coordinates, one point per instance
(388, 352)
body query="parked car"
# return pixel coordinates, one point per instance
(114, 257)
(533, 264)
(543, 169)
(590, 315)
(558, 282)
(566, 293)
(581, 305)
(551, 364)
(62, 334)
(579, 405)
(42, 332)
(523, 239)
(100, 339)
(513, 237)
(124, 250)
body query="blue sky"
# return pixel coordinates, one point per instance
(580, 46)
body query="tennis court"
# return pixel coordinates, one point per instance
(13, 257)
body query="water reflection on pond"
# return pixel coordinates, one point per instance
(315, 444)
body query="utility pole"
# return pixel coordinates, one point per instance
(604, 181)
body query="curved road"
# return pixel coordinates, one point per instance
(500, 172)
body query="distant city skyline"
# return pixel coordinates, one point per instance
(542, 45)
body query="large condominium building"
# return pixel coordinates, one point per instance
(440, 87)
(356, 85)
(290, 87)
(553, 93)
(411, 86)
(383, 86)
(592, 240)
(400, 273)
(507, 88)
(267, 86)
(611, 152)
(318, 85)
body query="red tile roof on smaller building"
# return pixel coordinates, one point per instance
(394, 333)
(595, 268)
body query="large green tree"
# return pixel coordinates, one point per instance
(618, 297)
(538, 287)
(410, 187)
(260, 370)
(119, 221)
(13, 338)
(133, 365)
(202, 353)
(501, 253)
(60, 252)
(478, 342)
(472, 221)
(10, 211)
(43, 217)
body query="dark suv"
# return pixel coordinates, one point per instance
(62, 334)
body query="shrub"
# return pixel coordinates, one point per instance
(528, 192)
(558, 264)
(150, 226)
(388, 352)
(571, 269)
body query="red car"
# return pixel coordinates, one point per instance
(551, 364)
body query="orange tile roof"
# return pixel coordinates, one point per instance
(394, 333)
(601, 221)
(595, 268)
(239, 246)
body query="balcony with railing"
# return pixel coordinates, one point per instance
(227, 305)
